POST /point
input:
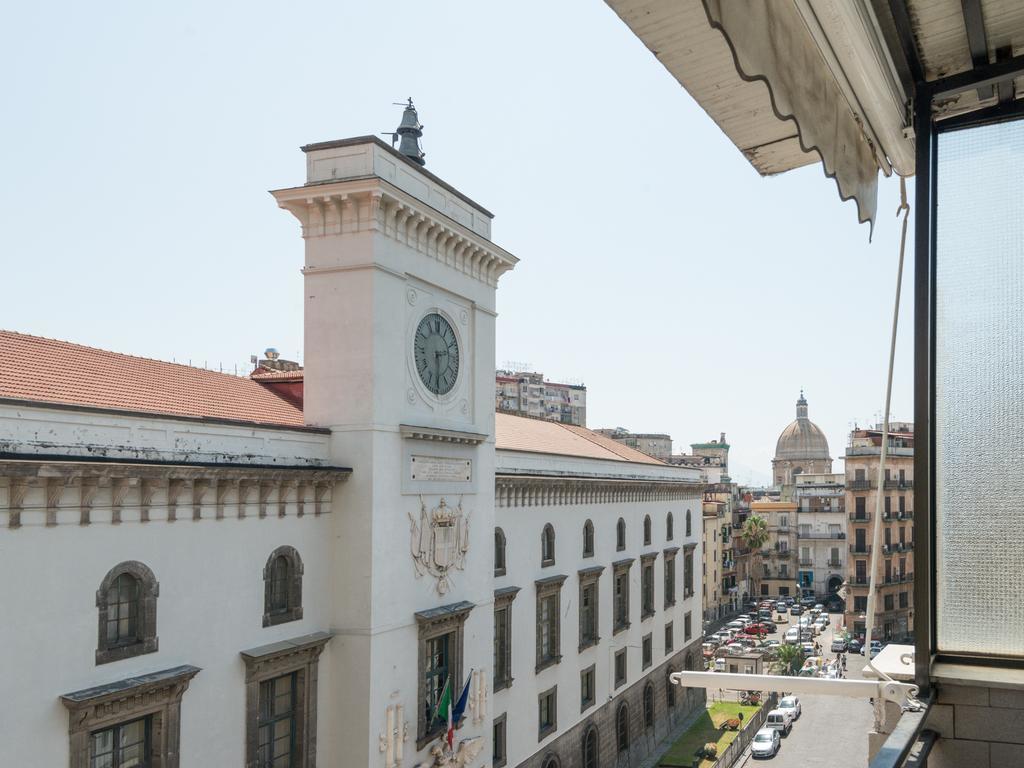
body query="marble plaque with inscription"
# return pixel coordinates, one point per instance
(439, 468)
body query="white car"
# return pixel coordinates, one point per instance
(766, 743)
(790, 704)
(793, 635)
(780, 720)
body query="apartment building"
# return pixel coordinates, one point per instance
(894, 578)
(527, 393)
(778, 564)
(820, 533)
(653, 444)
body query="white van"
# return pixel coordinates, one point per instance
(781, 720)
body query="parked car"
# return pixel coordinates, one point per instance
(790, 704)
(819, 606)
(781, 607)
(788, 600)
(766, 743)
(721, 637)
(795, 609)
(737, 625)
(806, 635)
(808, 648)
(839, 645)
(792, 635)
(735, 648)
(765, 614)
(876, 648)
(853, 646)
(806, 602)
(719, 665)
(780, 720)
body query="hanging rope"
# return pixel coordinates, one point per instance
(876, 539)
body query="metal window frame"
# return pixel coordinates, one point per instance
(927, 130)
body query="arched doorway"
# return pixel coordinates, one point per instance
(834, 583)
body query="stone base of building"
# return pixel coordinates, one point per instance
(567, 749)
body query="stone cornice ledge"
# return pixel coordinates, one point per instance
(410, 432)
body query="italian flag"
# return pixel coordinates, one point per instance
(446, 711)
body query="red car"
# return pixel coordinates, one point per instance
(759, 629)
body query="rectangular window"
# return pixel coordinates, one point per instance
(903, 600)
(783, 521)
(647, 649)
(620, 612)
(502, 647)
(858, 505)
(688, 575)
(647, 590)
(275, 739)
(888, 602)
(669, 640)
(888, 505)
(670, 580)
(860, 603)
(687, 627)
(588, 615)
(122, 746)
(620, 668)
(547, 713)
(499, 742)
(903, 503)
(861, 571)
(435, 674)
(549, 641)
(783, 571)
(588, 689)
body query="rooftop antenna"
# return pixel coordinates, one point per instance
(408, 133)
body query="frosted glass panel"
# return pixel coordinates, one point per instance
(979, 390)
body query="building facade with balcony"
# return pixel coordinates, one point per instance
(654, 444)
(778, 555)
(527, 393)
(894, 583)
(821, 533)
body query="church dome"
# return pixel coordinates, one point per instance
(802, 439)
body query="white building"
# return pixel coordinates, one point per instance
(821, 533)
(528, 393)
(203, 571)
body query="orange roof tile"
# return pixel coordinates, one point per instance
(519, 433)
(51, 371)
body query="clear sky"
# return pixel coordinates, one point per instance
(690, 295)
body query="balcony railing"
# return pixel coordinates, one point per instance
(817, 508)
(896, 578)
(783, 553)
(899, 484)
(806, 563)
(834, 563)
(860, 517)
(859, 581)
(822, 535)
(859, 485)
(860, 549)
(906, 514)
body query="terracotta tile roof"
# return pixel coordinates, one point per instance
(51, 371)
(262, 374)
(519, 433)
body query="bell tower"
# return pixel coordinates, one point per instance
(400, 277)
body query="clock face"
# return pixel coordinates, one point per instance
(436, 352)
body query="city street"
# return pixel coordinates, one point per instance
(832, 731)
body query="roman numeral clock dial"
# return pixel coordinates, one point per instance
(436, 353)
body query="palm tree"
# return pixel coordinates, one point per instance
(790, 658)
(755, 535)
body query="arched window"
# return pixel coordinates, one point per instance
(689, 662)
(649, 706)
(547, 546)
(620, 535)
(126, 601)
(622, 727)
(669, 527)
(590, 748)
(551, 761)
(588, 539)
(499, 552)
(670, 688)
(647, 529)
(282, 587)
(689, 525)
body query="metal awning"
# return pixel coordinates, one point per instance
(792, 82)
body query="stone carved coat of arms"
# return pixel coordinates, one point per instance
(440, 539)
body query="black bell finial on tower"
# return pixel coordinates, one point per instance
(409, 132)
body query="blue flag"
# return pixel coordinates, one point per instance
(460, 706)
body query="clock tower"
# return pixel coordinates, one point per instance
(400, 277)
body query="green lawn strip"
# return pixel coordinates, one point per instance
(705, 729)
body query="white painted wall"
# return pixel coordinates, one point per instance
(523, 526)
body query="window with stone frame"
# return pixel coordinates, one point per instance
(588, 539)
(499, 741)
(620, 596)
(499, 552)
(549, 592)
(647, 651)
(670, 688)
(281, 700)
(669, 637)
(649, 705)
(126, 603)
(860, 603)
(441, 632)
(503, 636)
(888, 602)
(688, 571)
(669, 527)
(622, 727)
(687, 626)
(647, 530)
(132, 722)
(588, 687)
(670, 576)
(547, 546)
(620, 535)
(647, 586)
(589, 579)
(590, 747)
(282, 587)
(620, 668)
(547, 713)
(689, 524)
